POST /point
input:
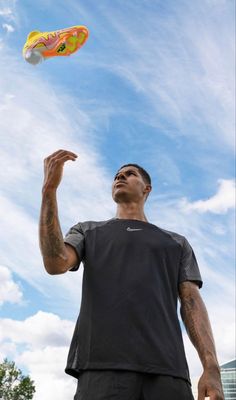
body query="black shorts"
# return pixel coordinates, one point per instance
(128, 385)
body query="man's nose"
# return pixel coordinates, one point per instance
(121, 176)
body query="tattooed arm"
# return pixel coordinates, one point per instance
(58, 257)
(195, 318)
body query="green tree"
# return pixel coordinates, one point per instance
(13, 384)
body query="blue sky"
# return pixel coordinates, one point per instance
(154, 84)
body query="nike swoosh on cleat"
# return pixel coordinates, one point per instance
(133, 229)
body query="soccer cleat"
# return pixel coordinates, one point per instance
(42, 45)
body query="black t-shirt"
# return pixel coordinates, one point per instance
(128, 316)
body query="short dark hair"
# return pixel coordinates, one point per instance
(145, 175)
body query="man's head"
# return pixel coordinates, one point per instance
(131, 183)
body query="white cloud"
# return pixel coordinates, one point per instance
(9, 28)
(7, 350)
(40, 330)
(46, 368)
(8, 10)
(220, 203)
(19, 225)
(9, 290)
(40, 344)
(5, 12)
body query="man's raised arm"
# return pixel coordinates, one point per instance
(58, 257)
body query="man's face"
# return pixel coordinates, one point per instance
(128, 185)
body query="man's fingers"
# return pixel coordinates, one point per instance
(61, 151)
(62, 159)
(61, 156)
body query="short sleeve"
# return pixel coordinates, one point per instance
(75, 238)
(189, 270)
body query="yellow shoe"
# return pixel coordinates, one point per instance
(42, 45)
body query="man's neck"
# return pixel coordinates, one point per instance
(130, 211)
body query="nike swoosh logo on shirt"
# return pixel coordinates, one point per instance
(133, 229)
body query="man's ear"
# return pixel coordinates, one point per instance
(148, 189)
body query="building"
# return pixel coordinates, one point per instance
(228, 376)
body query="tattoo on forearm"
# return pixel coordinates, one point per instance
(50, 216)
(189, 314)
(51, 239)
(51, 246)
(197, 324)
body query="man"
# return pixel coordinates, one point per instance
(127, 343)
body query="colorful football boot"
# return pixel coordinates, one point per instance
(42, 45)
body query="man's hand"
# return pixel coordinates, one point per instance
(210, 386)
(53, 168)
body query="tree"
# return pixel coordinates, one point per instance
(13, 384)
